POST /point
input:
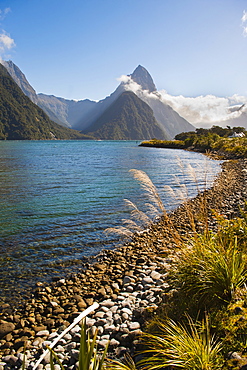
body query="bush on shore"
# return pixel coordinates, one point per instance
(216, 139)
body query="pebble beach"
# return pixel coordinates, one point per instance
(129, 283)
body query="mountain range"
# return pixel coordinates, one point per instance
(21, 119)
(126, 114)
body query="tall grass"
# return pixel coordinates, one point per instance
(89, 357)
(127, 364)
(189, 347)
(209, 271)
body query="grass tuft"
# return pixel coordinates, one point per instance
(210, 269)
(189, 347)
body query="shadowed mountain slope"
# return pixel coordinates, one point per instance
(128, 118)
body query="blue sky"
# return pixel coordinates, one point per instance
(77, 49)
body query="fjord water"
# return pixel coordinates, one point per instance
(58, 197)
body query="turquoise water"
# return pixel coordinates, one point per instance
(57, 198)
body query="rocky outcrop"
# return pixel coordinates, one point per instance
(19, 77)
(144, 79)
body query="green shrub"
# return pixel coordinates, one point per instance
(208, 271)
(189, 347)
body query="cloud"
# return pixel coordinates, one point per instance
(244, 26)
(3, 13)
(205, 111)
(6, 42)
(244, 17)
(245, 31)
(129, 84)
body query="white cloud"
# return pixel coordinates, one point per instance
(3, 13)
(244, 17)
(244, 20)
(199, 109)
(245, 31)
(129, 84)
(6, 42)
(205, 111)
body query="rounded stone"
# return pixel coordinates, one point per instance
(147, 280)
(43, 333)
(6, 328)
(114, 342)
(155, 275)
(134, 325)
(10, 359)
(126, 310)
(99, 314)
(125, 316)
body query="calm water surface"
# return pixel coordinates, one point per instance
(57, 198)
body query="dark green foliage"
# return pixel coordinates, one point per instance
(217, 140)
(20, 119)
(128, 118)
(220, 131)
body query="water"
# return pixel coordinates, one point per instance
(57, 197)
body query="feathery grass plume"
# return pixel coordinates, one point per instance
(155, 208)
(120, 230)
(137, 214)
(208, 272)
(131, 226)
(188, 346)
(142, 220)
(127, 364)
(155, 201)
(148, 186)
(202, 213)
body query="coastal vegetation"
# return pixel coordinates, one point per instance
(226, 142)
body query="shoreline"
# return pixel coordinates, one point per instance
(115, 273)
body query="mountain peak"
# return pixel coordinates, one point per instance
(143, 78)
